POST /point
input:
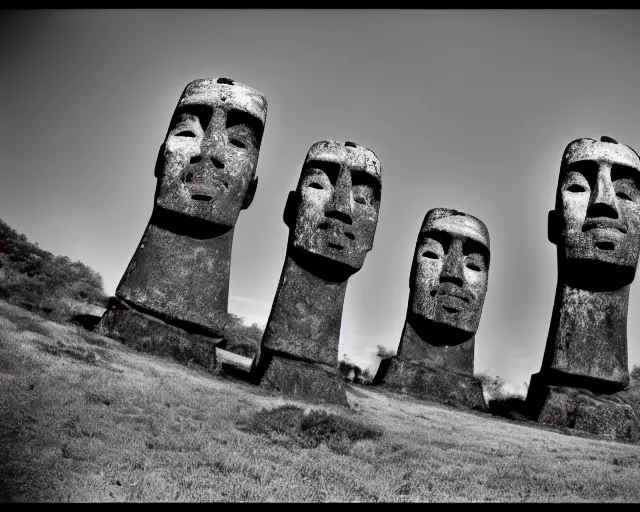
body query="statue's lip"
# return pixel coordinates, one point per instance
(604, 224)
(206, 193)
(451, 303)
(456, 298)
(211, 184)
(449, 290)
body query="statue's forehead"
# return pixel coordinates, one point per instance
(355, 158)
(604, 152)
(207, 91)
(460, 225)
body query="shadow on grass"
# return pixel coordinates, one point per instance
(309, 429)
(87, 322)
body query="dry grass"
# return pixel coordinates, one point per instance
(83, 418)
(311, 427)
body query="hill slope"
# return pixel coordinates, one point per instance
(84, 418)
(39, 281)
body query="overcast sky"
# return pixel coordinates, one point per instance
(465, 109)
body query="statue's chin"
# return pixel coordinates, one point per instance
(438, 333)
(595, 274)
(321, 265)
(187, 224)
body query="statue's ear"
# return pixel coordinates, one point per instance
(157, 172)
(289, 215)
(251, 192)
(552, 227)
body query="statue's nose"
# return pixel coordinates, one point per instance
(340, 206)
(603, 198)
(452, 270)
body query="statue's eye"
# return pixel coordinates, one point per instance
(185, 133)
(576, 188)
(316, 185)
(238, 143)
(360, 200)
(430, 254)
(473, 266)
(622, 195)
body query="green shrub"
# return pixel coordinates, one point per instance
(359, 376)
(242, 339)
(290, 423)
(338, 432)
(385, 353)
(38, 281)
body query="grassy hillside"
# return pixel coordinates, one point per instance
(39, 281)
(62, 290)
(84, 418)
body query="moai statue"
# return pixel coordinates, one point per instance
(596, 228)
(173, 296)
(447, 287)
(332, 218)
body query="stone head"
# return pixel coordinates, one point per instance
(207, 164)
(333, 213)
(450, 271)
(596, 221)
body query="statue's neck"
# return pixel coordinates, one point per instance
(437, 345)
(588, 334)
(180, 273)
(306, 315)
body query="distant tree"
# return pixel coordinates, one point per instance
(492, 385)
(242, 339)
(345, 365)
(366, 376)
(385, 353)
(635, 373)
(352, 372)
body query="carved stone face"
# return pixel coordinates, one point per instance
(337, 203)
(450, 270)
(597, 215)
(207, 170)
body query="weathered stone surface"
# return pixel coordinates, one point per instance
(305, 319)
(450, 271)
(587, 343)
(332, 217)
(583, 410)
(150, 334)
(596, 227)
(333, 213)
(206, 176)
(432, 382)
(207, 165)
(179, 278)
(631, 397)
(437, 348)
(304, 381)
(448, 284)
